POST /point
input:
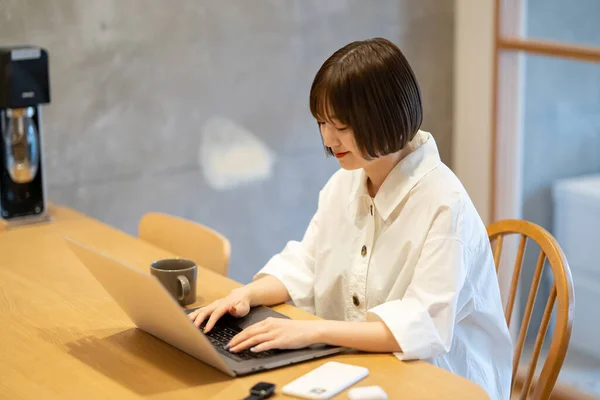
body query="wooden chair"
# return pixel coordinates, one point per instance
(187, 239)
(561, 292)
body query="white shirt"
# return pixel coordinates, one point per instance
(417, 257)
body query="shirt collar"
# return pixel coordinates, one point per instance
(401, 179)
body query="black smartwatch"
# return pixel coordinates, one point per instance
(262, 390)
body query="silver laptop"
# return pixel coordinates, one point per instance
(155, 311)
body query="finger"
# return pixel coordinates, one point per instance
(200, 317)
(247, 333)
(239, 310)
(252, 341)
(266, 345)
(195, 313)
(203, 313)
(214, 317)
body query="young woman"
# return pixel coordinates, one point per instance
(396, 258)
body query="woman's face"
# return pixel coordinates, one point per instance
(340, 139)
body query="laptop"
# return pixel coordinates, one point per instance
(155, 311)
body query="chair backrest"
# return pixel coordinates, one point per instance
(187, 239)
(561, 293)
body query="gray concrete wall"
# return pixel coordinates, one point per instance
(200, 108)
(561, 114)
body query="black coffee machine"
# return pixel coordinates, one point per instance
(24, 87)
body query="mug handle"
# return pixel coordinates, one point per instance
(185, 287)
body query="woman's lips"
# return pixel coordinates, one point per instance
(340, 155)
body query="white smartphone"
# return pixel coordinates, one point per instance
(325, 381)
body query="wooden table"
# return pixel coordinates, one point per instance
(62, 336)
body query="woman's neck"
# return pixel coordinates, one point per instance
(380, 168)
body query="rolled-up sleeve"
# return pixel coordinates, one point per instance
(294, 266)
(422, 322)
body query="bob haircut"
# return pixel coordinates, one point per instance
(370, 87)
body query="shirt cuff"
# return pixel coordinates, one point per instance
(297, 279)
(412, 328)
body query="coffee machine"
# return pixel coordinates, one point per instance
(24, 87)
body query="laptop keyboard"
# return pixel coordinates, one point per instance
(221, 334)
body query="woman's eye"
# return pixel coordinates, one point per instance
(339, 129)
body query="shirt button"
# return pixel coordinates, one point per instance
(355, 300)
(363, 251)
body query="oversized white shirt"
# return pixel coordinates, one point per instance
(416, 256)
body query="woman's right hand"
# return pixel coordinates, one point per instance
(237, 304)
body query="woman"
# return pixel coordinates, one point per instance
(396, 258)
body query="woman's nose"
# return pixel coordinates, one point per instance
(329, 134)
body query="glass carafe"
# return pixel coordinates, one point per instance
(21, 144)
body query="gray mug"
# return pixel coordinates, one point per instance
(178, 276)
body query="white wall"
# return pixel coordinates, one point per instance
(473, 112)
(473, 78)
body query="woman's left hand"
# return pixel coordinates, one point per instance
(275, 333)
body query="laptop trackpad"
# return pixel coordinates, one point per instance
(255, 315)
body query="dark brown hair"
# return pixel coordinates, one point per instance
(370, 87)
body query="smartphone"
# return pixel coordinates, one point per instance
(325, 381)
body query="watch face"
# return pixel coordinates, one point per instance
(262, 388)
